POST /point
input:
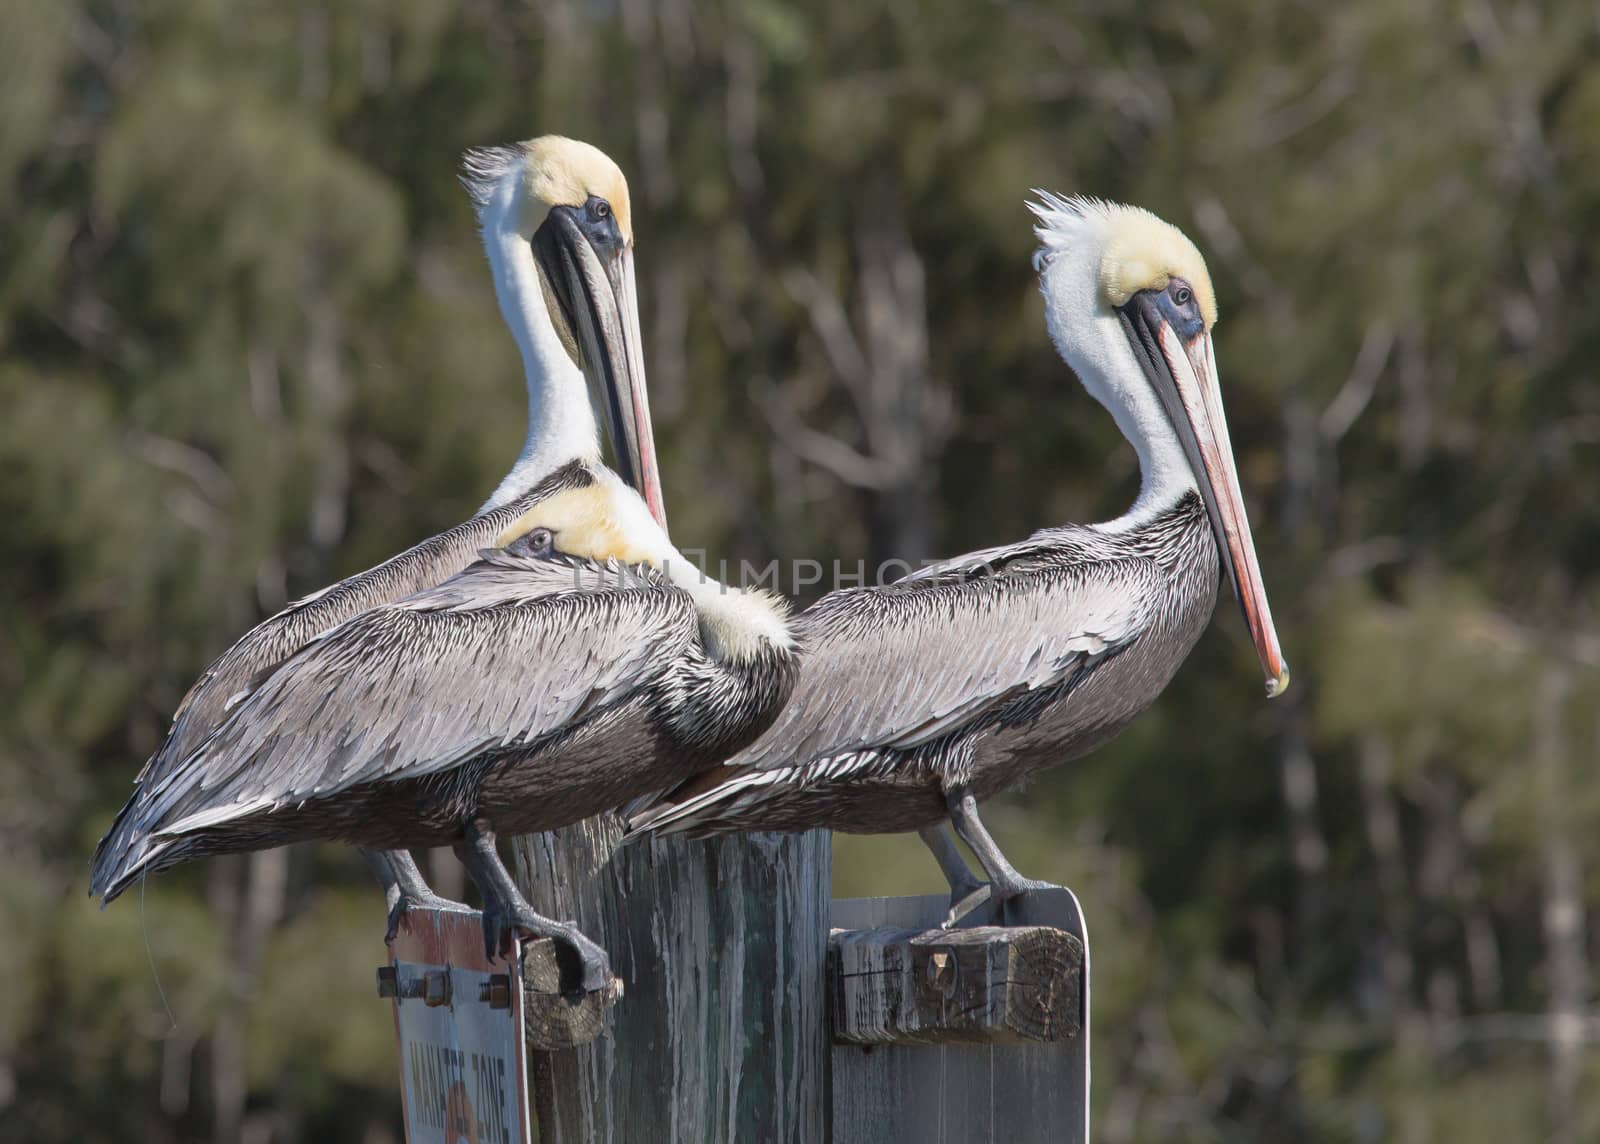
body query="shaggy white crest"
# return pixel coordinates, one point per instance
(483, 169)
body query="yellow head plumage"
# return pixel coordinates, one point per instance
(1140, 251)
(600, 522)
(554, 171)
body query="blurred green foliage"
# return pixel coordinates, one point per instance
(247, 345)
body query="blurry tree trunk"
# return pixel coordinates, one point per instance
(255, 913)
(1308, 848)
(1442, 861)
(651, 125)
(903, 422)
(1394, 996)
(328, 398)
(1396, 969)
(881, 361)
(1566, 967)
(649, 28)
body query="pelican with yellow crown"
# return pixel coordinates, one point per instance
(543, 661)
(919, 700)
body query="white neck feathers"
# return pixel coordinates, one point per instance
(737, 624)
(1090, 337)
(561, 422)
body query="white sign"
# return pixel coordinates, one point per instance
(463, 1066)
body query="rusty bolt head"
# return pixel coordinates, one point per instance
(436, 988)
(496, 990)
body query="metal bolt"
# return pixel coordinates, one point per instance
(432, 987)
(496, 990)
(942, 971)
(436, 988)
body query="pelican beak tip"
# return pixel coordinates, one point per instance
(1279, 683)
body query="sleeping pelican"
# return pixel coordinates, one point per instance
(406, 705)
(919, 700)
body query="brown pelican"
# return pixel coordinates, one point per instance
(556, 221)
(918, 700)
(413, 703)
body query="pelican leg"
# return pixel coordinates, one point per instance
(506, 911)
(404, 887)
(378, 862)
(1005, 884)
(966, 892)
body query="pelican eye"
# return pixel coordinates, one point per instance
(540, 541)
(1181, 293)
(599, 223)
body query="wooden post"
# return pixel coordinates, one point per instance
(978, 1034)
(721, 1034)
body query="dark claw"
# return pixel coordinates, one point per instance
(429, 901)
(596, 967)
(1009, 893)
(963, 903)
(576, 954)
(497, 933)
(1004, 898)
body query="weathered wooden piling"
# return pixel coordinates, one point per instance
(722, 1032)
(744, 1018)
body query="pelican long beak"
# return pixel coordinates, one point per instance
(596, 292)
(1185, 375)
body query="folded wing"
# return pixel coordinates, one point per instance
(510, 650)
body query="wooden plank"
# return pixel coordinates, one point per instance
(721, 1034)
(1018, 1093)
(984, 985)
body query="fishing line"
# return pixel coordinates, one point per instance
(144, 931)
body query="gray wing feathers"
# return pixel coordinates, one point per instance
(898, 668)
(495, 658)
(218, 691)
(950, 651)
(215, 694)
